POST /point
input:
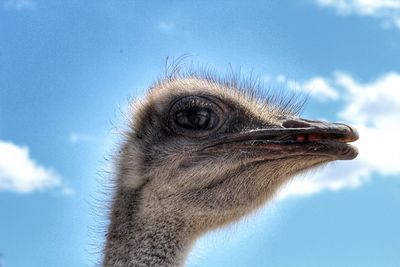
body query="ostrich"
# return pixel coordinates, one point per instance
(201, 153)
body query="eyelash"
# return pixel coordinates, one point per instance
(190, 104)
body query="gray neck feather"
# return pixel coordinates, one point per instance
(138, 236)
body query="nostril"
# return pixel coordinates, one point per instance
(295, 124)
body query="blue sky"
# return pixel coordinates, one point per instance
(69, 68)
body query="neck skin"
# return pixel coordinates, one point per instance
(143, 235)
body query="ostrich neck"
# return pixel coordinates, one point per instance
(139, 235)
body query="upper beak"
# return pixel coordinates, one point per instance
(324, 130)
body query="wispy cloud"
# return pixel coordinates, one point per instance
(75, 137)
(166, 27)
(374, 109)
(316, 87)
(19, 4)
(20, 173)
(388, 11)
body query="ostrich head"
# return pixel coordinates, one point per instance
(210, 153)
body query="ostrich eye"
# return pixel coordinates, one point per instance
(195, 116)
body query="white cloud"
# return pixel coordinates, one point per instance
(20, 173)
(79, 137)
(317, 88)
(19, 4)
(386, 10)
(374, 109)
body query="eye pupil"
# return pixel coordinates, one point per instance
(194, 118)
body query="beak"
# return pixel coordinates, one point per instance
(293, 137)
